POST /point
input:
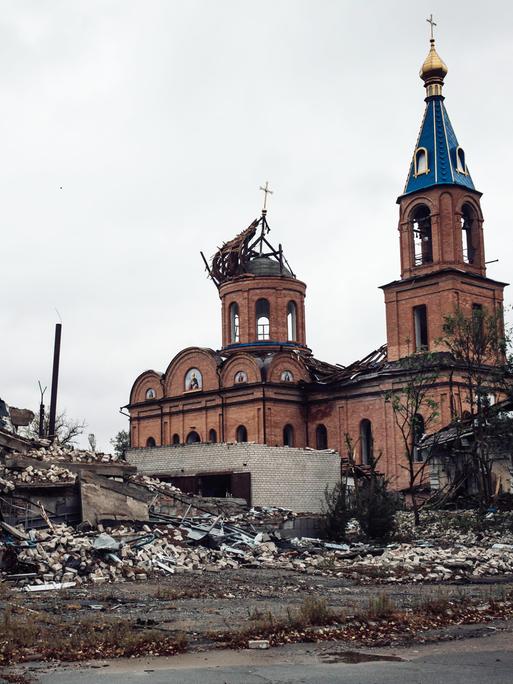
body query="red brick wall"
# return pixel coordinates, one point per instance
(279, 291)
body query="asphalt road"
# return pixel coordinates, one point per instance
(485, 660)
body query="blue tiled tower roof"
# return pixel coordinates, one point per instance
(437, 136)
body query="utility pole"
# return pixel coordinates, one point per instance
(55, 381)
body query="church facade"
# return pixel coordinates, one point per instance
(265, 385)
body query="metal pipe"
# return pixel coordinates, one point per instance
(55, 381)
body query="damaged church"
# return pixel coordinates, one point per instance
(262, 416)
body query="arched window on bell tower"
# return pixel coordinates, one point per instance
(262, 312)
(291, 322)
(234, 323)
(468, 237)
(422, 237)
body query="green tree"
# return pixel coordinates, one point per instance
(121, 443)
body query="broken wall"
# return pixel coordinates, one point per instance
(280, 476)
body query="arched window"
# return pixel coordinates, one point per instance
(241, 434)
(421, 161)
(262, 312)
(292, 321)
(176, 439)
(150, 393)
(366, 441)
(234, 322)
(422, 240)
(461, 166)
(417, 434)
(212, 436)
(468, 223)
(321, 437)
(193, 437)
(150, 442)
(288, 436)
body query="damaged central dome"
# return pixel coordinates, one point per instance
(249, 253)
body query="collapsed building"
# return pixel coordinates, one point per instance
(264, 386)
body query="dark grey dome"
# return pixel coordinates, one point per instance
(263, 266)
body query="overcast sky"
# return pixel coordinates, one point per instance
(136, 133)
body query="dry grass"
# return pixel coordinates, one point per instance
(36, 635)
(379, 606)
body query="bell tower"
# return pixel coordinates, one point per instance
(440, 232)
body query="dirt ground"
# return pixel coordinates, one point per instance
(199, 604)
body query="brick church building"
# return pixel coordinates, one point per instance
(264, 384)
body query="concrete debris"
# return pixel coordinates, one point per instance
(56, 452)
(153, 484)
(32, 475)
(258, 643)
(124, 553)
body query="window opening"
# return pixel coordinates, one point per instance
(467, 226)
(292, 321)
(321, 437)
(262, 319)
(420, 326)
(421, 161)
(366, 441)
(193, 437)
(288, 436)
(212, 436)
(461, 166)
(241, 434)
(234, 323)
(418, 430)
(422, 239)
(478, 326)
(150, 442)
(176, 439)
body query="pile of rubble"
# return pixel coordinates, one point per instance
(411, 563)
(153, 484)
(31, 475)
(62, 556)
(56, 452)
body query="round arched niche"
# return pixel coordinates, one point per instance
(193, 380)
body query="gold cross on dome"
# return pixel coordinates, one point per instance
(432, 24)
(266, 192)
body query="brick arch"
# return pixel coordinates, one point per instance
(243, 362)
(470, 200)
(285, 361)
(205, 360)
(150, 379)
(408, 207)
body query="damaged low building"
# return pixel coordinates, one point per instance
(261, 475)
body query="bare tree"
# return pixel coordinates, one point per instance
(415, 412)
(479, 347)
(67, 430)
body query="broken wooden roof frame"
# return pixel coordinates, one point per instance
(232, 258)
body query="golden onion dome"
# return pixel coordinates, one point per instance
(433, 71)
